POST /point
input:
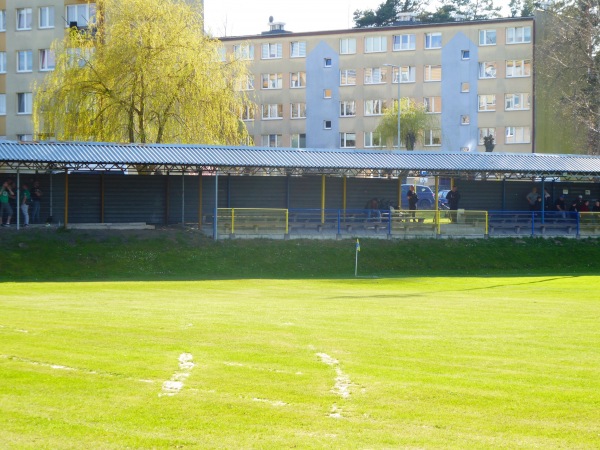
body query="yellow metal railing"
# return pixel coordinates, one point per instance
(252, 221)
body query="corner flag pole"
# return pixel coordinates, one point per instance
(356, 258)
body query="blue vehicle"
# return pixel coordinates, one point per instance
(424, 193)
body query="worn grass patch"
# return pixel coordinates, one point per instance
(425, 362)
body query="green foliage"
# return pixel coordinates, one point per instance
(414, 120)
(145, 72)
(386, 13)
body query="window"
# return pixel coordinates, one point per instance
(347, 46)
(518, 35)
(347, 77)
(298, 79)
(487, 70)
(298, 49)
(24, 61)
(465, 54)
(404, 42)
(46, 18)
(347, 108)
(272, 111)
(327, 124)
(2, 104)
(433, 138)
(374, 107)
(222, 51)
(24, 102)
(247, 112)
(407, 74)
(487, 102)
(2, 20)
(298, 111)
(465, 86)
(82, 15)
(433, 73)
(483, 132)
(433, 40)
(327, 93)
(299, 140)
(25, 137)
(327, 62)
(375, 75)
(347, 140)
(517, 135)
(271, 140)
(465, 119)
(246, 84)
(24, 16)
(433, 105)
(2, 62)
(272, 80)
(244, 51)
(271, 51)
(518, 68)
(46, 59)
(516, 102)
(375, 44)
(373, 139)
(487, 37)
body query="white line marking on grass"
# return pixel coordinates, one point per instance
(21, 331)
(175, 384)
(342, 383)
(271, 402)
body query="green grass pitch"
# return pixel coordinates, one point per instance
(448, 362)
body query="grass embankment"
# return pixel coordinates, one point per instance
(176, 254)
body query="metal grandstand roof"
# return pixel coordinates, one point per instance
(229, 159)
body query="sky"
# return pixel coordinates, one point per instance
(249, 17)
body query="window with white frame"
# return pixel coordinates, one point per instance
(327, 93)
(487, 70)
(46, 17)
(404, 42)
(516, 68)
(272, 111)
(24, 18)
(2, 62)
(465, 86)
(25, 137)
(298, 140)
(2, 20)
(518, 35)
(298, 79)
(433, 105)
(298, 111)
(347, 108)
(347, 77)
(244, 51)
(407, 74)
(245, 84)
(433, 40)
(347, 140)
(247, 112)
(222, 51)
(347, 46)
(24, 102)
(47, 59)
(375, 75)
(272, 51)
(465, 54)
(2, 104)
(24, 61)
(375, 44)
(272, 80)
(298, 49)
(433, 73)
(327, 62)
(373, 139)
(465, 119)
(327, 124)
(517, 135)
(483, 132)
(487, 37)
(487, 102)
(271, 140)
(517, 102)
(433, 137)
(374, 107)
(83, 14)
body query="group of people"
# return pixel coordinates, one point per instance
(579, 204)
(27, 199)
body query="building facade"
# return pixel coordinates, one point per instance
(330, 89)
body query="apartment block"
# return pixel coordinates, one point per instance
(330, 89)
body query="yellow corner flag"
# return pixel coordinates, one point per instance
(357, 246)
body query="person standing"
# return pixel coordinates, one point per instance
(25, 200)
(36, 202)
(412, 201)
(5, 208)
(453, 197)
(561, 206)
(532, 199)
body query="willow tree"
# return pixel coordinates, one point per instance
(143, 72)
(414, 120)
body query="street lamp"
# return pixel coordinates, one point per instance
(398, 67)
